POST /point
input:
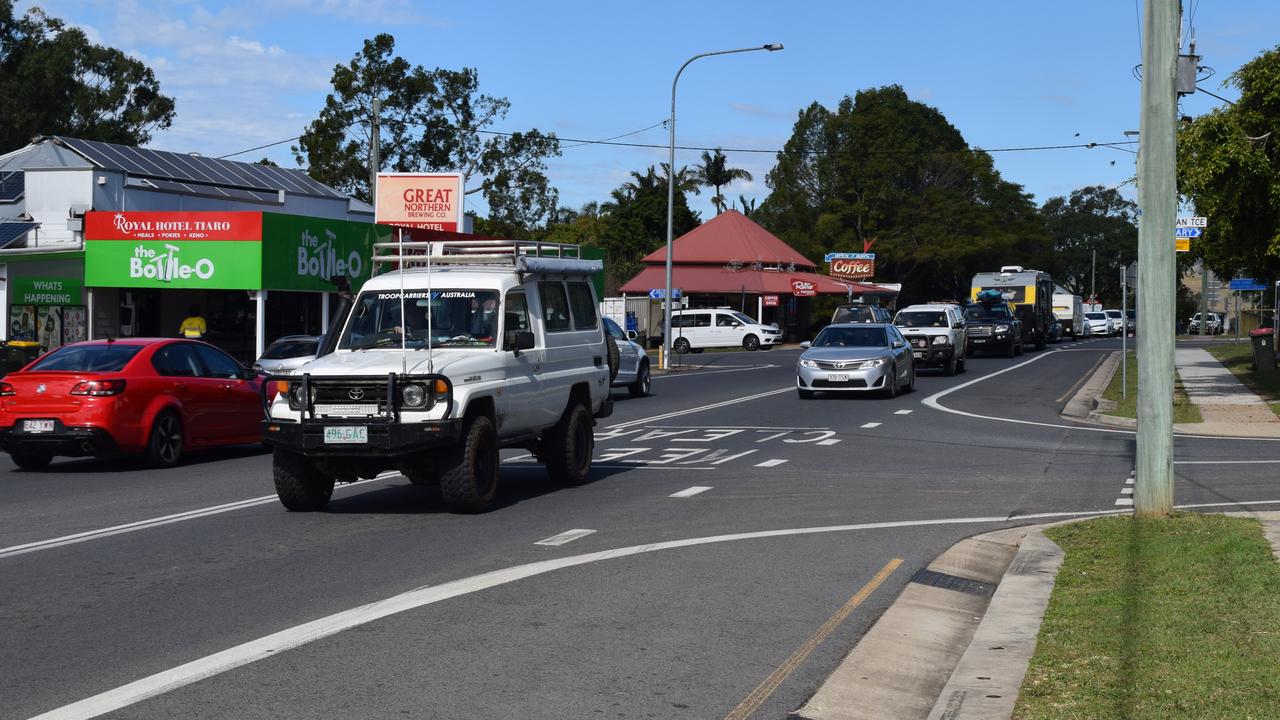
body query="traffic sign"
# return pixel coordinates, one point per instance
(659, 293)
(1247, 285)
(1186, 232)
(1184, 244)
(1198, 222)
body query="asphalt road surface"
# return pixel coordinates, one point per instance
(734, 544)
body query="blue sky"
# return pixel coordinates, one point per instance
(1008, 73)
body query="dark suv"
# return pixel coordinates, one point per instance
(993, 326)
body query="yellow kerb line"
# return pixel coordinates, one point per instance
(762, 692)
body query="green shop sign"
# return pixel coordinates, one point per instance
(303, 253)
(46, 291)
(194, 264)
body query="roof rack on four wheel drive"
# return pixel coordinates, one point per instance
(519, 255)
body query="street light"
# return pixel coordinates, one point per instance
(671, 190)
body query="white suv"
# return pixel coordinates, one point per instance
(936, 334)
(699, 329)
(435, 369)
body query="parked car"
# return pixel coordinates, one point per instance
(633, 362)
(287, 354)
(861, 357)
(1131, 321)
(1116, 319)
(696, 330)
(857, 313)
(156, 396)
(1212, 327)
(936, 333)
(1097, 323)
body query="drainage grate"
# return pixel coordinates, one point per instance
(952, 582)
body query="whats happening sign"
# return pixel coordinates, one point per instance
(197, 250)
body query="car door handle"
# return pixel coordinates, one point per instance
(180, 386)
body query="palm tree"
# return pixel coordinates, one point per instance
(715, 172)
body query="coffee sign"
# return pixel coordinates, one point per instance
(852, 266)
(803, 288)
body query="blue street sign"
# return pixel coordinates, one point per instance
(1187, 232)
(848, 256)
(1246, 284)
(659, 293)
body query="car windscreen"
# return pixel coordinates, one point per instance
(743, 318)
(295, 348)
(858, 313)
(851, 337)
(88, 358)
(921, 319)
(440, 319)
(987, 312)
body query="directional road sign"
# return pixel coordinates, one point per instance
(1247, 285)
(1193, 222)
(1187, 232)
(659, 293)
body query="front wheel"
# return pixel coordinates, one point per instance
(300, 486)
(950, 368)
(891, 383)
(569, 446)
(751, 342)
(681, 346)
(32, 459)
(640, 387)
(469, 481)
(164, 447)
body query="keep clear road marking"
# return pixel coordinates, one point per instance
(565, 537)
(770, 463)
(690, 492)
(871, 425)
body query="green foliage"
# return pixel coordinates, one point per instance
(884, 168)
(714, 172)
(53, 81)
(433, 120)
(1092, 219)
(1229, 169)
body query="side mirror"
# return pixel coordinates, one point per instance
(518, 340)
(959, 325)
(898, 344)
(632, 334)
(805, 345)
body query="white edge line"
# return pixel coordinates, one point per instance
(298, 635)
(1225, 462)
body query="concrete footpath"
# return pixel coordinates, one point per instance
(957, 642)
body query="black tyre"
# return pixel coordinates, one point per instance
(425, 472)
(640, 387)
(469, 478)
(804, 394)
(1041, 341)
(891, 383)
(31, 459)
(911, 381)
(614, 362)
(950, 367)
(300, 486)
(1013, 349)
(681, 345)
(568, 446)
(165, 445)
(751, 342)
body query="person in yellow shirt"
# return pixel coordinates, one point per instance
(193, 327)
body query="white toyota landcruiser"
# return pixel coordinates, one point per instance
(473, 347)
(936, 333)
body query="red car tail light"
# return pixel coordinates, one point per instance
(6, 389)
(98, 388)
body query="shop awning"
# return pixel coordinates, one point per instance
(720, 280)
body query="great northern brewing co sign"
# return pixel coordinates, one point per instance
(803, 288)
(852, 266)
(432, 201)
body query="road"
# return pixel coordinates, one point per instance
(734, 543)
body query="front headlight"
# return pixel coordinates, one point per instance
(1001, 329)
(942, 340)
(869, 364)
(295, 396)
(413, 395)
(808, 363)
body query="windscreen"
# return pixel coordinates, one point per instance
(88, 358)
(445, 319)
(285, 349)
(857, 313)
(987, 312)
(851, 337)
(743, 318)
(1096, 315)
(921, 319)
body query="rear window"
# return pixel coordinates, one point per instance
(285, 349)
(862, 313)
(88, 358)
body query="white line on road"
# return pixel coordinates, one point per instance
(699, 373)
(770, 463)
(829, 441)
(1126, 491)
(1128, 481)
(1225, 462)
(1124, 502)
(567, 536)
(690, 492)
(870, 425)
(677, 413)
(903, 412)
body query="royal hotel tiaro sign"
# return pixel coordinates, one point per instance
(432, 201)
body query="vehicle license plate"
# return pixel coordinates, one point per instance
(346, 410)
(919, 353)
(37, 426)
(838, 377)
(346, 435)
(977, 341)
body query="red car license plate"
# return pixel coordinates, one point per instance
(37, 426)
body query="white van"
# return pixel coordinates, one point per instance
(695, 330)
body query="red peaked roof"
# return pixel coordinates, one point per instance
(717, 279)
(730, 236)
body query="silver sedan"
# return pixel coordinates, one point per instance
(860, 357)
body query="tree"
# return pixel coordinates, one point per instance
(1093, 219)
(430, 121)
(1229, 170)
(882, 170)
(55, 82)
(714, 172)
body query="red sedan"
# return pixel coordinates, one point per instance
(160, 397)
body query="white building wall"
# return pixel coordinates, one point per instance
(50, 194)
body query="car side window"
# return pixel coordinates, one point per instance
(516, 310)
(176, 360)
(723, 320)
(614, 331)
(702, 320)
(218, 364)
(583, 305)
(555, 306)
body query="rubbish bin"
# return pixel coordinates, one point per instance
(1264, 351)
(15, 354)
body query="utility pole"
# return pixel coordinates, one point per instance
(375, 159)
(1204, 297)
(1157, 202)
(1124, 336)
(1093, 272)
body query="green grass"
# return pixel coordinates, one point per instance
(1184, 411)
(1238, 358)
(1166, 618)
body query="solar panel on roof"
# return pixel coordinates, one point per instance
(11, 185)
(11, 232)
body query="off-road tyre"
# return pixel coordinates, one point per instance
(613, 358)
(751, 342)
(469, 471)
(681, 345)
(567, 447)
(31, 459)
(644, 380)
(300, 485)
(165, 442)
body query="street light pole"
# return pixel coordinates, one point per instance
(671, 191)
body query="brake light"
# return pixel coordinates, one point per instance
(98, 388)
(6, 389)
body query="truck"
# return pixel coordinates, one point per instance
(1069, 309)
(1031, 294)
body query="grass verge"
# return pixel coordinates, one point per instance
(1184, 411)
(1168, 618)
(1238, 358)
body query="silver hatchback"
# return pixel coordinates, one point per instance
(856, 357)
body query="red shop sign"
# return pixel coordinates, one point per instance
(803, 288)
(769, 300)
(173, 226)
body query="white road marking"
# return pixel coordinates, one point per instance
(690, 492)
(903, 412)
(699, 373)
(567, 536)
(1124, 502)
(1126, 491)
(830, 441)
(1128, 481)
(734, 427)
(289, 638)
(770, 463)
(1225, 462)
(677, 413)
(870, 425)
